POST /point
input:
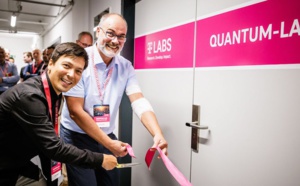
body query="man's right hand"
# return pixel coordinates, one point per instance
(118, 148)
(109, 162)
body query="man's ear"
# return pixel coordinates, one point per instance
(97, 31)
(50, 63)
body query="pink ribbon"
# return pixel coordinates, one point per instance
(170, 166)
(130, 151)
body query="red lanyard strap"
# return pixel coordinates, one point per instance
(49, 101)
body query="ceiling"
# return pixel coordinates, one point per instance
(33, 16)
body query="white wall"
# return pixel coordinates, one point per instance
(80, 18)
(97, 7)
(74, 22)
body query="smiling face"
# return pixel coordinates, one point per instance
(65, 72)
(109, 48)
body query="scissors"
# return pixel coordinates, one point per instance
(126, 165)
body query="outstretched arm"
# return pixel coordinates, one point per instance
(145, 112)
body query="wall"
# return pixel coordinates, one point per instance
(67, 29)
(80, 18)
(97, 7)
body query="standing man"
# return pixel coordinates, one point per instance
(85, 39)
(46, 57)
(27, 57)
(8, 73)
(34, 68)
(29, 119)
(90, 111)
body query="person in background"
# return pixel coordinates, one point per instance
(46, 57)
(11, 59)
(85, 39)
(34, 68)
(28, 119)
(101, 87)
(7, 54)
(8, 73)
(27, 57)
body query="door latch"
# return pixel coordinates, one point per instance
(195, 124)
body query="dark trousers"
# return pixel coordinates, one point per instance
(9, 177)
(88, 177)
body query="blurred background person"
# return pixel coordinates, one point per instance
(11, 59)
(7, 54)
(8, 73)
(46, 57)
(36, 66)
(85, 39)
(28, 59)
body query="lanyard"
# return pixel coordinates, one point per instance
(48, 97)
(5, 70)
(33, 68)
(106, 81)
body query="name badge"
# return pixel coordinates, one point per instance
(55, 170)
(101, 115)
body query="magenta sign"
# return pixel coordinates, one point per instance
(261, 34)
(265, 33)
(171, 48)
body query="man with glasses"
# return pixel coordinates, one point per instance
(85, 39)
(90, 111)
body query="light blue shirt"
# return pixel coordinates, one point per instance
(122, 78)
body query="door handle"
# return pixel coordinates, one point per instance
(196, 125)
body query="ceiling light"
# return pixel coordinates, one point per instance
(13, 20)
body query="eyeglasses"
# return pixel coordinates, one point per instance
(112, 36)
(84, 44)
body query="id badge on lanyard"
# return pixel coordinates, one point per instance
(101, 115)
(55, 170)
(55, 166)
(101, 111)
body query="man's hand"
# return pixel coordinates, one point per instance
(118, 148)
(109, 162)
(160, 141)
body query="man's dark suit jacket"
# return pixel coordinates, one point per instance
(26, 130)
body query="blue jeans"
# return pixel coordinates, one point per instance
(88, 177)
